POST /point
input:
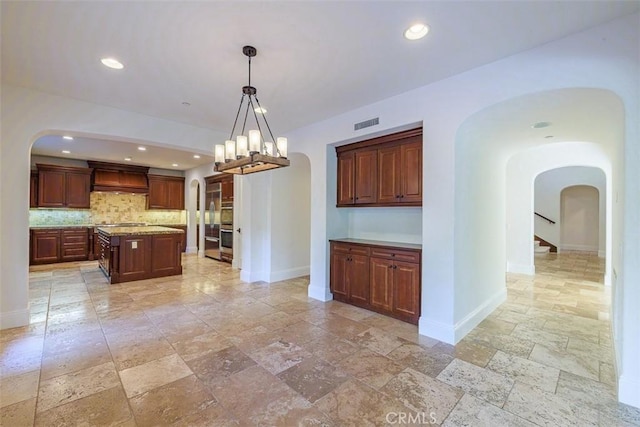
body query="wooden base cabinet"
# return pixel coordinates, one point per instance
(52, 245)
(373, 275)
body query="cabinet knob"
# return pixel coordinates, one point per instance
(395, 267)
(390, 266)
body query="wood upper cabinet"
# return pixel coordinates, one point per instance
(63, 187)
(385, 279)
(165, 192)
(384, 171)
(227, 188)
(33, 190)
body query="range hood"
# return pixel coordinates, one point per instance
(113, 177)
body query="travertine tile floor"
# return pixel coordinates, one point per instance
(206, 349)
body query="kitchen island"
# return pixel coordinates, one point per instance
(139, 252)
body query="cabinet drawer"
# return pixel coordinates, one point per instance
(396, 254)
(345, 248)
(74, 238)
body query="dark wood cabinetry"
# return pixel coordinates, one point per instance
(33, 190)
(226, 184)
(377, 276)
(384, 171)
(165, 192)
(63, 187)
(45, 246)
(119, 178)
(51, 245)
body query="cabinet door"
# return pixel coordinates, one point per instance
(135, 257)
(406, 289)
(338, 282)
(227, 190)
(411, 178)
(366, 176)
(389, 175)
(346, 174)
(158, 194)
(45, 246)
(358, 279)
(175, 191)
(77, 190)
(382, 284)
(33, 190)
(51, 189)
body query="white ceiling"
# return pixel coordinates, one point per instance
(316, 59)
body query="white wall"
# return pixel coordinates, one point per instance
(580, 218)
(548, 186)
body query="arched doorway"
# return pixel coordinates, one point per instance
(580, 218)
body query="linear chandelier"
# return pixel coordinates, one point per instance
(250, 154)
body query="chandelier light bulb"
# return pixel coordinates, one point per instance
(254, 141)
(268, 148)
(218, 152)
(282, 146)
(229, 150)
(241, 146)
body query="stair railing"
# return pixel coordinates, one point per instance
(545, 218)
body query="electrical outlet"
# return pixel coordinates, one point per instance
(134, 245)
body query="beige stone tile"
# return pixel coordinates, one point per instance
(471, 411)
(355, 404)
(289, 411)
(194, 347)
(526, 371)
(608, 374)
(19, 414)
(70, 352)
(213, 367)
(90, 411)
(213, 416)
(429, 361)
(371, 368)
(537, 335)
(171, 402)
(301, 333)
(583, 365)
(278, 356)
(17, 388)
(144, 350)
(343, 327)
(469, 351)
(482, 383)
(352, 312)
(69, 387)
(248, 392)
(313, 378)
(156, 373)
(497, 325)
(331, 348)
(543, 408)
(507, 343)
(422, 393)
(378, 340)
(581, 347)
(21, 355)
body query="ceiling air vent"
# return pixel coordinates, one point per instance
(366, 123)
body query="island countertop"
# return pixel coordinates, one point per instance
(138, 230)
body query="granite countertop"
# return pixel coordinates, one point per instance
(138, 230)
(62, 226)
(380, 243)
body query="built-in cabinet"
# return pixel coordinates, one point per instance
(115, 177)
(33, 190)
(63, 187)
(165, 192)
(52, 245)
(379, 276)
(384, 171)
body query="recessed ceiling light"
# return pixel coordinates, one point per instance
(549, 136)
(196, 156)
(540, 125)
(260, 110)
(142, 148)
(112, 63)
(128, 159)
(70, 138)
(66, 151)
(416, 31)
(186, 104)
(175, 165)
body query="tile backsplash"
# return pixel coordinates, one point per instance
(108, 208)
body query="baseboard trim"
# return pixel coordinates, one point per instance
(452, 334)
(527, 269)
(191, 250)
(580, 248)
(629, 391)
(319, 293)
(251, 276)
(602, 254)
(290, 273)
(14, 319)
